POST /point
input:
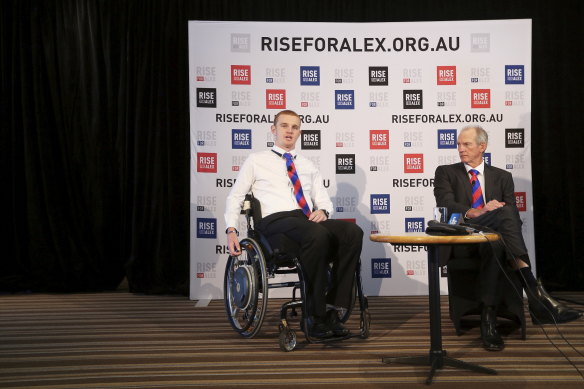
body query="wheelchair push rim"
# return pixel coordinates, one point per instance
(245, 289)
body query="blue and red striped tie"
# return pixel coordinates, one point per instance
(477, 192)
(296, 184)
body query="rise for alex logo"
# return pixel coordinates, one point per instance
(379, 203)
(207, 97)
(380, 267)
(446, 75)
(447, 139)
(378, 75)
(378, 139)
(344, 99)
(275, 98)
(207, 162)
(413, 163)
(480, 98)
(520, 201)
(310, 140)
(345, 163)
(240, 75)
(241, 138)
(414, 224)
(206, 228)
(514, 74)
(514, 137)
(413, 99)
(310, 75)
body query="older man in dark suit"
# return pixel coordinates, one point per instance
(485, 195)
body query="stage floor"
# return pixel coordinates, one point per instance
(124, 340)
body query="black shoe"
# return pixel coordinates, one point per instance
(320, 330)
(492, 341)
(335, 324)
(544, 309)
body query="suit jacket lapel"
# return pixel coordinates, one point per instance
(490, 178)
(462, 175)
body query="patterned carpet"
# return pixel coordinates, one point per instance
(123, 340)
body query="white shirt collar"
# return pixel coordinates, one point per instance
(480, 168)
(281, 151)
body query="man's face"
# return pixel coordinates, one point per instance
(469, 151)
(286, 131)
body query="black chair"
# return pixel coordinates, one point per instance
(247, 283)
(463, 272)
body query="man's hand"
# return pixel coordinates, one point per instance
(490, 206)
(233, 244)
(317, 216)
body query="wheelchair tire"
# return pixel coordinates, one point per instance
(245, 289)
(365, 324)
(287, 339)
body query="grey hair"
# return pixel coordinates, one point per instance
(481, 134)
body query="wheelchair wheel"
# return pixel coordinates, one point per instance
(365, 324)
(287, 339)
(245, 289)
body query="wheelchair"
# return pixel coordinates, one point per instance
(247, 284)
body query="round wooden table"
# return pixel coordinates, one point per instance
(437, 358)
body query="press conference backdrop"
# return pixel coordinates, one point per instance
(381, 104)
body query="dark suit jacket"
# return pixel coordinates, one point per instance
(452, 189)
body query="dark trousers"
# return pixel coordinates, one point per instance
(499, 255)
(335, 241)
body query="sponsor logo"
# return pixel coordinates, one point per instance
(205, 73)
(206, 138)
(487, 158)
(240, 43)
(515, 161)
(206, 228)
(514, 74)
(380, 267)
(206, 270)
(345, 139)
(446, 75)
(412, 76)
(480, 74)
(480, 98)
(413, 163)
(416, 267)
(345, 203)
(379, 163)
(514, 98)
(413, 203)
(514, 137)
(207, 162)
(275, 75)
(240, 98)
(380, 226)
(207, 203)
(480, 43)
(207, 97)
(378, 75)
(447, 139)
(309, 75)
(379, 203)
(446, 99)
(448, 159)
(237, 161)
(344, 99)
(275, 98)
(310, 140)
(414, 224)
(378, 139)
(413, 139)
(309, 99)
(520, 201)
(240, 75)
(345, 163)
(344, 76)
(240, 138)
(413, 99)
(378, 99)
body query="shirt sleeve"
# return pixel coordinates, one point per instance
(242, 186)
(320, 197)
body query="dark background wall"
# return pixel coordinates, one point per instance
(94, 154)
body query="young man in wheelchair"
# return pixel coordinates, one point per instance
(294, 202)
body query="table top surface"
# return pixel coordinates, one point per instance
(422, 238)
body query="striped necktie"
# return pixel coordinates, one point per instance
(477, 192)
(296, 184)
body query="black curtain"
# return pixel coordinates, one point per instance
(95, 132)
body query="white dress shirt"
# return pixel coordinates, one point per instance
(265, 175)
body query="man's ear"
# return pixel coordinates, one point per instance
(273, 128)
